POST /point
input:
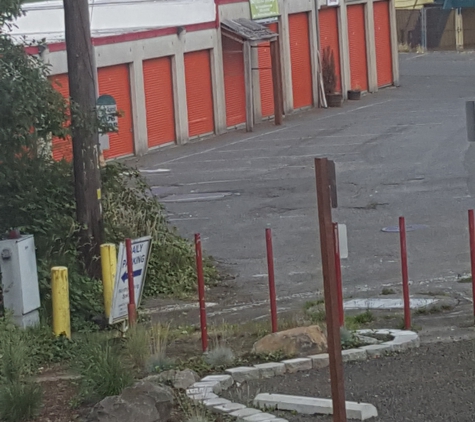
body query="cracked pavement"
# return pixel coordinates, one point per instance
(401, 151)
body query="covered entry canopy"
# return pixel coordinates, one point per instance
(248, 30)
(455, 4)
(250, 34)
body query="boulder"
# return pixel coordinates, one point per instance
(144, 402)
(181, 380)
(185, 379)
(298, 341)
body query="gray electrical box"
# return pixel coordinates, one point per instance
(21, 293)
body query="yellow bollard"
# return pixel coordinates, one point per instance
(60, 298)
(109, 268)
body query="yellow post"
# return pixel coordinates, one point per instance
(109, 268)
(60, 298)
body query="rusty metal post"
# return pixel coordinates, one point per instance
(326, 196)
(471, 229)
(201, 292)
(271, 274)
(131, 309)
(405, 274)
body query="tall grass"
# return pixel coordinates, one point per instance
(20, 397)
(104, 371)
(192, 411)
(137, 346)
(19, 401)
(159, 361)
(146, 348)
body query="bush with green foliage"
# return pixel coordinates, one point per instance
(37, 193)
(43, 347)
(220, 356)
(20, 397)
(43, 205)
(19, 401)
(131, 210)
(103, 369)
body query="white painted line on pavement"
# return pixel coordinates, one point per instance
(272, 157)
(155, 171)
(188, 218)
(176, 308)
(220, 146)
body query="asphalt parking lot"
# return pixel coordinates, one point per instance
(400, 151)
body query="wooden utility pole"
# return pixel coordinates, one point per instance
(82, 90)
(326, 198)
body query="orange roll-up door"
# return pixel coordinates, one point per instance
(199, 93)
(158, 86)
(265, 76)
(62, 148)
(357, 41)
(328, 26)
(234, 82)
(300, 60)
(382, 35)
(114, 81)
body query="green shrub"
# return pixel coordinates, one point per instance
(137, 346)
(104, 372)
(220, 356)
(24, 350)
(131, 210)
(16, 361)
(19, 401)
(37, 196)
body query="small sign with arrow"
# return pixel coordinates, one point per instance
(140, 256)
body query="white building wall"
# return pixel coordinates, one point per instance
(46, 19)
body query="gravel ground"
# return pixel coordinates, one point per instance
(433, 383)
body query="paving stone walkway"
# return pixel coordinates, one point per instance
(211, 390)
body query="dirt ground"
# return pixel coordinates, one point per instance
(59, 398)
(58, 402)
(436, 326)
(433, 383)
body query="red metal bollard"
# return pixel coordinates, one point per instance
(132, 311)
(405, 275)
(341, 311)
(471, 228)
(201, 292)
(270, 267)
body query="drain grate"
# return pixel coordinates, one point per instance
(409, 228)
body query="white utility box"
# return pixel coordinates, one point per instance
(21, 293)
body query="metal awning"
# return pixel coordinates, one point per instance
(455, 4)
(247, 30)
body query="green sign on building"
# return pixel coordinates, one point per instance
(261, 9)
(107, 114)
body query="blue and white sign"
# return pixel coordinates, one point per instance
(140, 255)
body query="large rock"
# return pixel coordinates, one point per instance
(180, 380)
(185, 379)
(144, 402)
(299, 341)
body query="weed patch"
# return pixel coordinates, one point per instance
(19, 401)
(387, 291)
(103, 370)
(355, 322)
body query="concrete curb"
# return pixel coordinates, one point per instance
(207, 389)
(312, 406)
